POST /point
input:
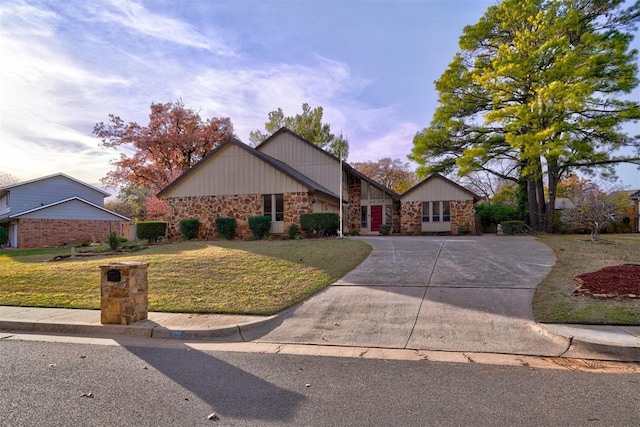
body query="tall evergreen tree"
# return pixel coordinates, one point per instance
(538, 84)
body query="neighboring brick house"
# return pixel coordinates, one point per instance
(55, 210)
(287, 176)
(437, 205)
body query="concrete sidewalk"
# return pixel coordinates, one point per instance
(585, 341)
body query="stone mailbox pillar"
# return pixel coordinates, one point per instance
(124, 292)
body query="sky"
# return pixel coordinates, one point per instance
(371, 64)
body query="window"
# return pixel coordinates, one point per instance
(273, 206)
(426, 212)
(266, 205)
(363, 217)
(446, 211)
(376, 193)
(364, 190)
(435, 217)
(388, 215)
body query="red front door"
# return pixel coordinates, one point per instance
(376, 217)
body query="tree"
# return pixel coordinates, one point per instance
(592, 208)
(174, 140)
(538, 86)
(308, 125)
(391, 173)
(7, 179)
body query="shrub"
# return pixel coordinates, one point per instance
(189, 228)
(320, 224)
(294, 231)
(3, 236)
(464, 230)
(114, 241)
(226, 227)
(260, 225)
(151, 230)
(513, 227)
(495, 213)
(385, 229)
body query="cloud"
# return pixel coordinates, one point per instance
(397, 142)
(134, 16)
(248, 94)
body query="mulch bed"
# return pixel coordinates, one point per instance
(610, 282)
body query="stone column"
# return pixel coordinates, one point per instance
(124, 292)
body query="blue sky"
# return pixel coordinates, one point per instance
(370, 64)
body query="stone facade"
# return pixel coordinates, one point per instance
(295, 204)
(124, 299)
(40, 233)
(411, 218)
(396, 220)
(462, 215)
(208, 208)
(353, 214)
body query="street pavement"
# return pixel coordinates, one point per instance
(464, 294)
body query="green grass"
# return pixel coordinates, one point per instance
(260, 277)
(555, 301)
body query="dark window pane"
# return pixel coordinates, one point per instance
(363, 216)
(425, 211)
(446, 211)
(279, 207)
(266, 205)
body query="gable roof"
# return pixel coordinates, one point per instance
(6, 188)
(635, 195)
(301, 138)
(93, 205)
(346, 166)
(437, 175)
(275, 163)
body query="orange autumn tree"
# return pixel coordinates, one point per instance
(391, 173)
(152, 156)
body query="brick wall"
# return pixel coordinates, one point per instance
(40, 233)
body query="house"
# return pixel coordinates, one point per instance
(55, 210)
(284, 177)
(438, 205)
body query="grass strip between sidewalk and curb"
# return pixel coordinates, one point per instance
(241, 277)
(555, 300)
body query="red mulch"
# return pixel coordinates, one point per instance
(619, 280)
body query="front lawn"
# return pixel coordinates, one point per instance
(555, 301)
(259, 277)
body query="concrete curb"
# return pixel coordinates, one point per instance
(614, 352)
(581, 347)
(220, 332)
(144, 329)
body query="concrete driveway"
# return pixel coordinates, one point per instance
(432, 293)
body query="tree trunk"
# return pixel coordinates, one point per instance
(533, 203)
(540, 197)
(553, 178)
